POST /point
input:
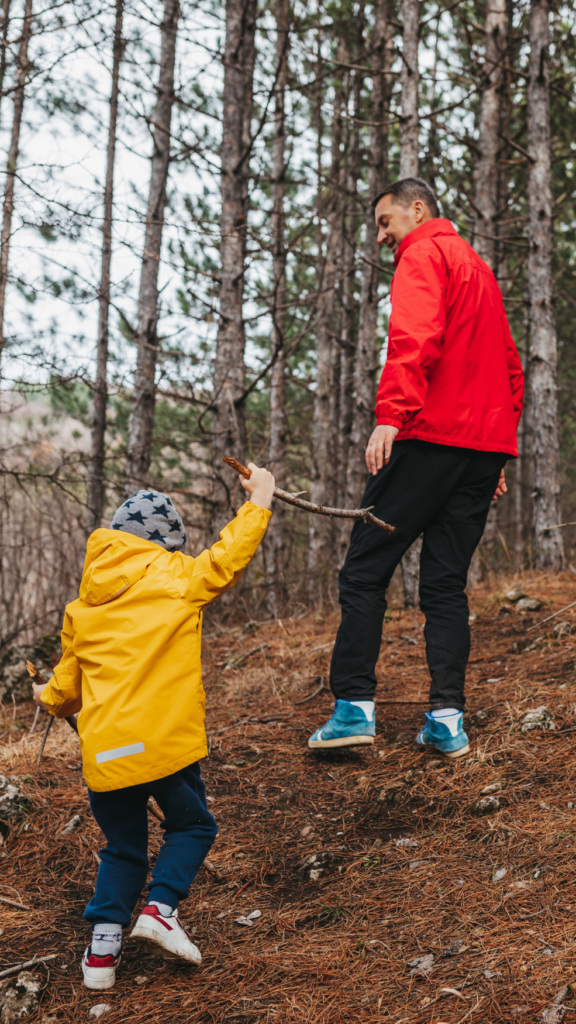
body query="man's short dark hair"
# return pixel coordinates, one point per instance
(406, 191)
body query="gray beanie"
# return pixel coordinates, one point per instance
(151, 515)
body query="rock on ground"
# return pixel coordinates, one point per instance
(538, 718)
(19, 997)
(13, 803)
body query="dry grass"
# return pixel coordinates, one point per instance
(337, 949)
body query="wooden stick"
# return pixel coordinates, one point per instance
(44, 738)
(37, 677)
(27, 963)
(554, 614)
(318, 689)
(13, 903)
(33, 726)
(156, 811)
(321, 510)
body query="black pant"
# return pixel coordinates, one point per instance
(444, 493)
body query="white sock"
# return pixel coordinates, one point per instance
(107, 939)
(164, 909)
(367, 707)
(448, 717)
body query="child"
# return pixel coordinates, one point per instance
(131, 666)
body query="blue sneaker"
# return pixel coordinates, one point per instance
(348, 727)
(437, 734)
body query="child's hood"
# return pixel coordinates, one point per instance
(114, 561)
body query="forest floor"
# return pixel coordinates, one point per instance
(407, 870)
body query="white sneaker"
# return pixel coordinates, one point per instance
(165, 933)
(99, 971)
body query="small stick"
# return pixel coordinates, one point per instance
(321, 510)
(565, 609)
(13, 903)
(27, 963)
(33, 726)
(319, 688)
(212, 869)
(37, 677)
(44, 738)
(154, 809)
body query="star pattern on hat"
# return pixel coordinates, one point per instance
(151, 496)
(157, 536)
(161, 511)
(136, 517)
(175, 528)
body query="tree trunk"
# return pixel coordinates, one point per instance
(365, 368)
(485, 185)
(410, 568)
(144, 395)
(12, 162)
(4, 44)
(275, 533)
(95, 497)
(323, 490)
(229, 374)
(543, 350)
(348, 288)
(409, 151)
(409, 79)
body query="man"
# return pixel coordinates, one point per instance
(447, 410)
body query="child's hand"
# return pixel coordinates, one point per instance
(260, 486)
(37, 689)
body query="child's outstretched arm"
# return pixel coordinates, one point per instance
(217, 569)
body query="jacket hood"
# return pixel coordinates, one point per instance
(114, 561)
(435, 226)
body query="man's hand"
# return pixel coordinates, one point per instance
(37, 689)
(260, 486)
(501, 488)
(380, 448)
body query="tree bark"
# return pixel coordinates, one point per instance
(409, 166)
(485, 182)
(409, 81)
(229, 373)
(144, 396)
(4, 44)
(95, 496)
(275, 532)
(22, 65)
(323, 490)
(543, 348)
(365, 366)
(350, 226)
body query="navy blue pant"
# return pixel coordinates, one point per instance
(445, 494)
(189, 831)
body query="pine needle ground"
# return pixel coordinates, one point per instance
(408, 868)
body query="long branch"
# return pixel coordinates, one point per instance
(308, 506)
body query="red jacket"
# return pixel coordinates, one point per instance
(452, 375)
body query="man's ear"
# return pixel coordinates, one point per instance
(419, 210)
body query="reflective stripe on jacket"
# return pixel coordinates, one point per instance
(452, 374)
(131, 650)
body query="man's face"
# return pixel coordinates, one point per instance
(394, 221)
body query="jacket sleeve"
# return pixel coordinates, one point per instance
(221, 566)
(415, 336)
(63, 694)
(515, 373)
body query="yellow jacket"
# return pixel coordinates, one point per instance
(131, 650)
